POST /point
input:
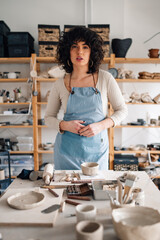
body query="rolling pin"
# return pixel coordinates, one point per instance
(48, 173)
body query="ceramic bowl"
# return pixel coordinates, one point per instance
(89, 230)
(90, 168)
(136, 223)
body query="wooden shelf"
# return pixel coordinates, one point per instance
(137, 126)
(40, 151)
(46, 79)
(136, 151)
(138, 60)
(19, 103)
(10, 80)
(130, 103)
(138, 80)
(13, 115)
(16, 126)
(15, 60)
(21, 152)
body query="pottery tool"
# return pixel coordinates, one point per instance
(79, 198)
(120, 190)
(79, 190)
(130, 179)
(72, 202)
(51, 208)
(48, 173)
(62, 208)
(54, 186)
(81, 181)
(53, 192)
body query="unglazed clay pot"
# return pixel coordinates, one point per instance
(121, 46)
(85, 212)
(90, 168)
(136, 223)
(87, 230)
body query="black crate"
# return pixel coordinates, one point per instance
(19, 51)
(48, 33)
(4, 29)
(3, 39)
(20, 38)
(125, 163)
(47, 49)
(3, 46)
(102, 29)
(3, 51)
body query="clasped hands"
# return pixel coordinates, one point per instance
(78, 127)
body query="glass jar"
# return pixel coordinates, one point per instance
(5, 74)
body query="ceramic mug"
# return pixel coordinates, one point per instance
(88, 230)
(12, 75)
(153, 53)
(85, 212)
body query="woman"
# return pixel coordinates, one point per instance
(83, 94)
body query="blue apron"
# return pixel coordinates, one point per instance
(70, 149)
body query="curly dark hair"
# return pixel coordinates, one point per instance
(77, 34)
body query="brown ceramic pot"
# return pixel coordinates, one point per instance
(153, 53)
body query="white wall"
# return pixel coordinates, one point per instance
(136, 19)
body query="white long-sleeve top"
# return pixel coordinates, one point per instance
(108, 88)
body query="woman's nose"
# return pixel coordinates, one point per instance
(80, 50)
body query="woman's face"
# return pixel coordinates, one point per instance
(80, 54)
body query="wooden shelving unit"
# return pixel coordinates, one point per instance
(113, 63)
(37, 103)
(25, 61)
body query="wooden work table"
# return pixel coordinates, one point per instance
(65, 223)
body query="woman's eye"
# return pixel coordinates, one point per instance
(85, 47)
(74, 46)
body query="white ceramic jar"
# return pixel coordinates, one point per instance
(85, 212)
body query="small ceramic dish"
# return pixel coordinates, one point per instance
(136, 223)
(90, 168)
(26, 200)
(47, 146)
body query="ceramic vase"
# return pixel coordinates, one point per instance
(121, 46)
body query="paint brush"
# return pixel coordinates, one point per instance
(130, 179)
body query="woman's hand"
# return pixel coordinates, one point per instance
(91, 129)
(73, 126)
(95, 128)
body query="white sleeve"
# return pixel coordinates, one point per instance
(53, 108)
(117, 101)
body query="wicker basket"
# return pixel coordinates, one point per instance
(47, 49)
(48, 33)
(102, 29)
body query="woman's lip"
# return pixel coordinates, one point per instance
(79, 58)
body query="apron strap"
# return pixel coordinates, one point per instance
(72, 92)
